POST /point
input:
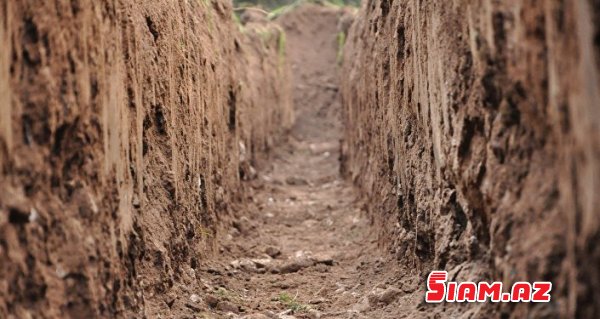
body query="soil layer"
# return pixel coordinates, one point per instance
(126, 127)
(473, 127)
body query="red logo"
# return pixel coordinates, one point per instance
(440, 290)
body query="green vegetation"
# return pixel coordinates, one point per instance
(204, 232)
(292, 304)
(285, 5)
(237, 21)
(281, 49)
(225, 294)
(341, 39)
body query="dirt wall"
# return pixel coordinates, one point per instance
(474, 128)
(313, 31)
(125, 128)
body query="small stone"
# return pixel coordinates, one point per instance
(227, 306)
(384, 296)
(313, 314)
(243, 225)
(389, 295)
(244, 264)
(33, 215)
(296, 181)
(274, 252)
(61, 272)
(195, 298)
(317, 301)
(211, 301)
(295, 265)
(362, 306)
(256, 316)
(261, 262)
(323, 259)
(251, 172)
(136, 201)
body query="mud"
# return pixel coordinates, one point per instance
(473, 129)
(126, 128)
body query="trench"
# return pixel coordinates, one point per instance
(192, 159)
(304, 247)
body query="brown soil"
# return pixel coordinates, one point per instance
(159, 161)
(304, 248)
(474, 128)
(127, 127)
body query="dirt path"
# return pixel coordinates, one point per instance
(299, 250)
(304, 249)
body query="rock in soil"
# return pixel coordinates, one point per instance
(227, 306)
(296, 265)
(274, 252)
(211, 301)
(296, 181)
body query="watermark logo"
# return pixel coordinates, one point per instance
(440, 290)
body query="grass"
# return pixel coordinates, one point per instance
(281, 44)
(238, 22)
(225, 294)
(273, 14)
(204, 232)
(341, 39)
(292, 304)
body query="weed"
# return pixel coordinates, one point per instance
(273, 14)
(204, 232)
(238, 22)
(281, 44)
(265, 35)
(292, 304)
(341, 39)
(223, 294)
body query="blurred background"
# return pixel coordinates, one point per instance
(274, 4)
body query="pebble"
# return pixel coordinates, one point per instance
(389, 295)
(384, 296)
(323, 259)
(296, 181)
(314, 314)
(362, 306)
(295, 265)
(317, 301)
(274, 252)
(244, 264)
(61, 272)
(195, 298)
(33, 215)
(261, 262)
(227, 306)
(211, 301)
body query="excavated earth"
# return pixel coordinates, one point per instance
(161, 159)
(126, 129)
(474, 130)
